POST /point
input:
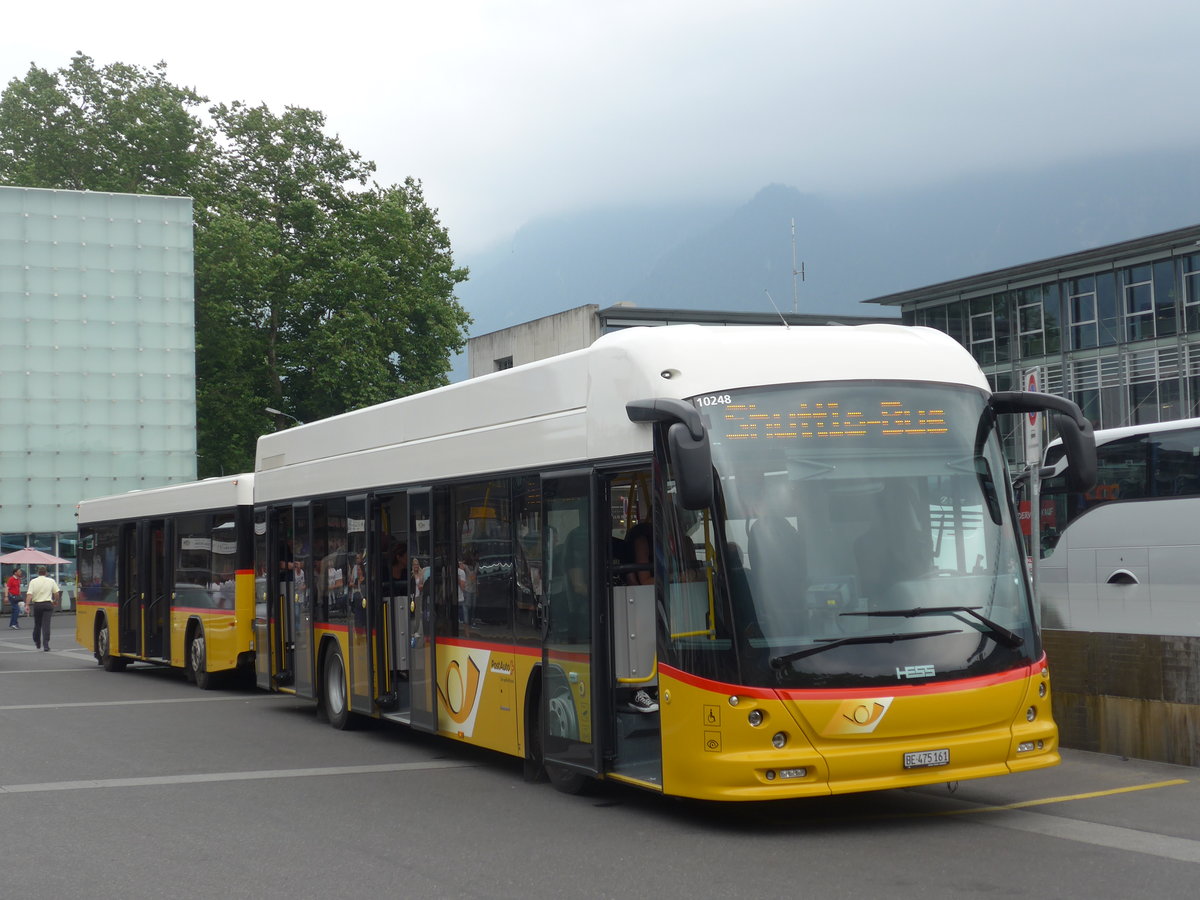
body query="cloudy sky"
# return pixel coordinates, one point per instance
(512, 109)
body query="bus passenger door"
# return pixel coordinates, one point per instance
(282, 575)
(422, 673)
(160, 588)
(129, 591)
(569, 663)
(301, 606)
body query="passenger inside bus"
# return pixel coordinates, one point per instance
(778, 575)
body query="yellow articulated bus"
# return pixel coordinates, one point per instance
(166, 576)
(728, 563)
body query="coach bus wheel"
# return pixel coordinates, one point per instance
(197, 661)
(104, 650)
(334, 695)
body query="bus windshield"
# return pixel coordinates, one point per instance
(867, 535)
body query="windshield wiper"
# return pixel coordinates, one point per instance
(997, 631)
(779, 662)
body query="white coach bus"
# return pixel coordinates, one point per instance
(1124, 556)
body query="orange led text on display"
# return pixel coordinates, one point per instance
(751, 421)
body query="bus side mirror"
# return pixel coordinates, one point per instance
(692, 461)
(1080, 444)
(1073, 427)
(687, 446)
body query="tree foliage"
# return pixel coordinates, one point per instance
(317, 290)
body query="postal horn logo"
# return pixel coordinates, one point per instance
(460, 687)
(858, 716)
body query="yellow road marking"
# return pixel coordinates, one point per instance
(1067, 798)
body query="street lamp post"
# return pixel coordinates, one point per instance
(280, 412)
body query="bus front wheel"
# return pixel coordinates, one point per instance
(104, 650)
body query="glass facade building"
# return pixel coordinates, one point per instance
(1116, 328)
(97, 367)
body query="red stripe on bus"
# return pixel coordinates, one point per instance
(203, 611)
(520, 649)
(903, 690)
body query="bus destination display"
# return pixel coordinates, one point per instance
(741, 421)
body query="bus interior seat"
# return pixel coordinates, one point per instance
(778, 573)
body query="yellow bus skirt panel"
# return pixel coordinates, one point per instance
(725, 742)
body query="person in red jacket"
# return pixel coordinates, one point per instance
(14, 596)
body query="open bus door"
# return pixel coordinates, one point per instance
(567, 730)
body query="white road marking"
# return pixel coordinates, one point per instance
(218, 699)
(1114, 836)
(212, 777)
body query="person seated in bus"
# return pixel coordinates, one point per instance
(896, 547)
(778, 575)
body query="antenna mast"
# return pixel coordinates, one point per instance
(795, 272)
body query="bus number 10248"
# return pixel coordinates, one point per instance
(714, 400)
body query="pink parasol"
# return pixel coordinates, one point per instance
(31, 557)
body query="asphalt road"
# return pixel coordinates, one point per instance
(137, 784)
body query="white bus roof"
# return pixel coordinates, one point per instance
(194, 496)
(1113, 434)
(572, 407)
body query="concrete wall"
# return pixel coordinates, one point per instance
(530, 341)
(1127, 694)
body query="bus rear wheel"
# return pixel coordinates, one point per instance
(197, 661)
(334, 690)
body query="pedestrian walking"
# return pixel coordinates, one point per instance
(14, 596)
(41, 594)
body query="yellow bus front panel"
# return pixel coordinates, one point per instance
(722, 742)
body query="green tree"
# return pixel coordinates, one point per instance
(343, 297)
(119, 128)
(317, 291)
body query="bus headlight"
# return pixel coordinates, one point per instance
(1031, 714)
(1042, 689)
(755, 718)
(779, 740)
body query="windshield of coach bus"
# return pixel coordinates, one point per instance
(868, 536)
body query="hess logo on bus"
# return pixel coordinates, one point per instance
(915, 672)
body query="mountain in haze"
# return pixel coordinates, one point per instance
(853, 246)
